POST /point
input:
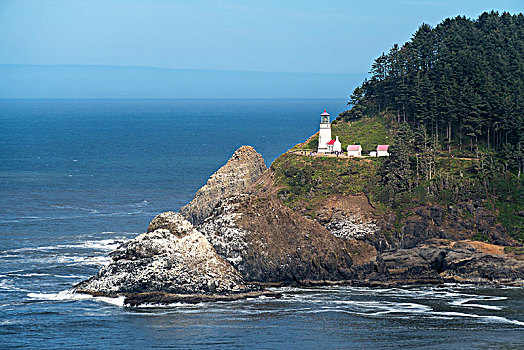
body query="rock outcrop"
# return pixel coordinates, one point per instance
(268, 242)
(443, 260)
(172, 257)
(351, 218)
(243, 168)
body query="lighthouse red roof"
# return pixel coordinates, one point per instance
(354, 148)
(325, 113)
(332, 142)
(382, 147)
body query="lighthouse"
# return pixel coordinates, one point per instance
(324, 134)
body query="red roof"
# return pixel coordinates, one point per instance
(382, 147)
(332, 142)
(354, 148)
(325, 113)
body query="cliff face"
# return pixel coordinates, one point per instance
(267, 242)
(241, 170)
(172, 257)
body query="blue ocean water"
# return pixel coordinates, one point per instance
(77, 177)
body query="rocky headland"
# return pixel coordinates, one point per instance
(245, 238)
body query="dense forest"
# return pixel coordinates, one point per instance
(462, 82)
(453, 91)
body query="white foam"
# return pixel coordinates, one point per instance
(498, 319)
(72, 207)
(118, 301)
(104, 244)
(28, 274)
(9, 287)
(70, 276)
(466, 303)
(84, 260)
(192, 307)
(71, 295)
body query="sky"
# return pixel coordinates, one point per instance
(322, 37)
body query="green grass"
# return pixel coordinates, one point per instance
(367, 132)
(507, 216)
(516, 250)
(481, 237)
(312, 179)
(508, 201)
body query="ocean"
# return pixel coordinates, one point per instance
(78, 177)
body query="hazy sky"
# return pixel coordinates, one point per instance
(271, 36)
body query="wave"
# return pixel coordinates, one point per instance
(68, 260)
(140, 204)
(190, 308)
(83, 260)
(466, 303)
(69, 294)
(34, 274)
(91, 213)
(72, 207)
(7, 286)
(336, 301)
(69, 276)
(487, 318)
(104, 245)
(409, 310)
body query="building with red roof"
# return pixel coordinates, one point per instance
(334, 146)
(382, 151)
(355, 151)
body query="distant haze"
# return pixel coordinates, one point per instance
(207, 48)
(70, 81)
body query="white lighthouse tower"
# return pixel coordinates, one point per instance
(324, 134)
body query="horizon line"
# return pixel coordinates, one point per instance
(169, 68)
(172, 98)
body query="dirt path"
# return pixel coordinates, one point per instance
(342, 155)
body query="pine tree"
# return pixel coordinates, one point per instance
(397, 172)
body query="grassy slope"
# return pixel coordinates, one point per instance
(367, 132)
(306, 181)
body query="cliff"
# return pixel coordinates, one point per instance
(268, 242)
(241, 170)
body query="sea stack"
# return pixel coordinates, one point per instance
(171, 257)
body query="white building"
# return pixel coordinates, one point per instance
(334, 146)
(382, 151)
(354, 151)
(324, 134)
(373, 153)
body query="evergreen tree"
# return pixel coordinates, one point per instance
(462, 80)
(397, 172)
